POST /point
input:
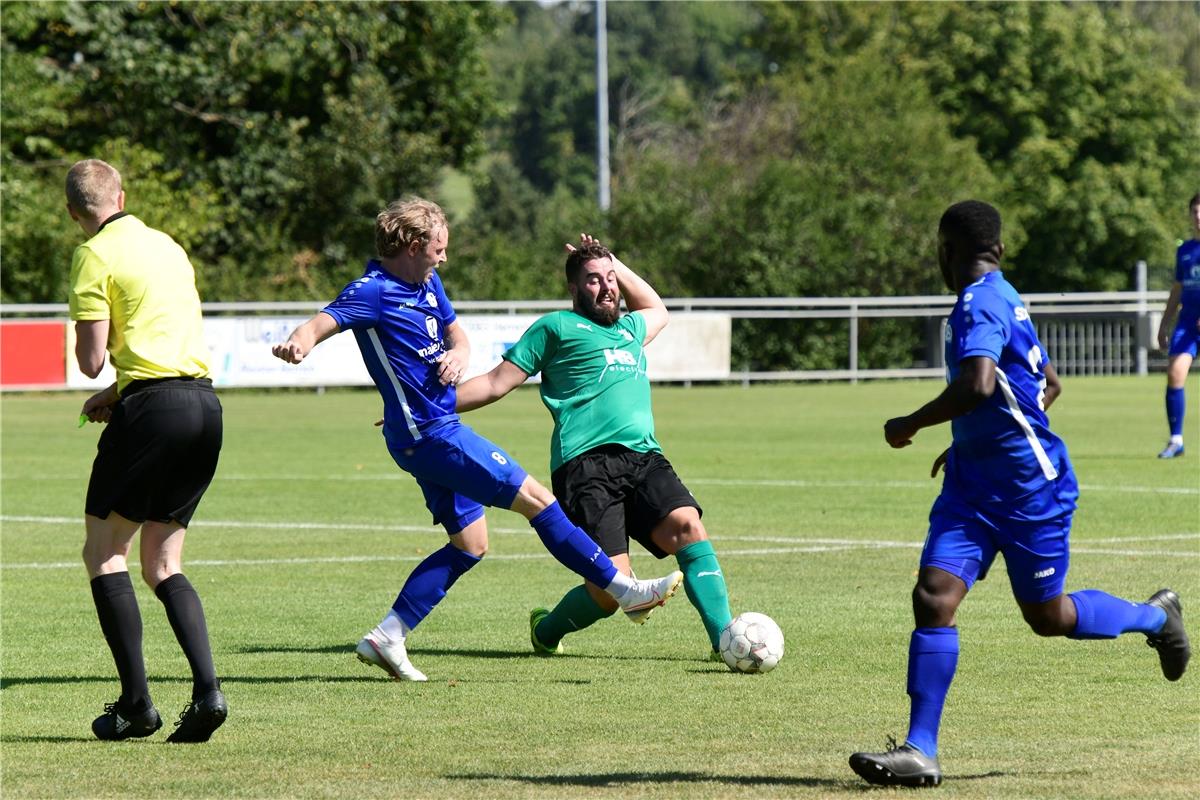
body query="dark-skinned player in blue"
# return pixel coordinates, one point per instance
(1009, 488)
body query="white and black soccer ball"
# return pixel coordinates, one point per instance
(752, 642)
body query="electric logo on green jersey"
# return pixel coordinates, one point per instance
(621, 357)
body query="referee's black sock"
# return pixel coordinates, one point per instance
(121, 622)
(186, 616)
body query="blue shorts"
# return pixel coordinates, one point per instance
(459, 473)
(964, 543)
(1185, 339)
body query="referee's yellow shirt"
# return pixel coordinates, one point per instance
(142, 281)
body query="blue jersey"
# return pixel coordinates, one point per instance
(1187, 272)
(400, 328)
(1004, 459)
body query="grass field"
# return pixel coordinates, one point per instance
(309, 530)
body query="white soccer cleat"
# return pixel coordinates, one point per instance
(645, 596)
(390, 656)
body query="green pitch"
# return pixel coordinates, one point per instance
(309, 530)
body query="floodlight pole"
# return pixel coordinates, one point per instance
(603, 172)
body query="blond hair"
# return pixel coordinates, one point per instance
(92, 186)
(406, 221)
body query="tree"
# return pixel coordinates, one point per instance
(1074, 106)
(787, 195)
(302, 118)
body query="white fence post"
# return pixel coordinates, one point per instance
(1142, 328)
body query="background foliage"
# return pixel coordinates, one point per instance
(762, 148)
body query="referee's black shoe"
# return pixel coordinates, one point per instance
(200, 718)
(1171, 642)
(898, 766)
(120, 722)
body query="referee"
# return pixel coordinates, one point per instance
(133, 294)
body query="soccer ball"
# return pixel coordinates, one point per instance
(752, 642)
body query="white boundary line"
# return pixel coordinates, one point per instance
(764, 482)
(794, 545)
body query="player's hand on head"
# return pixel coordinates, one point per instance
(939, 463)
(585, 239)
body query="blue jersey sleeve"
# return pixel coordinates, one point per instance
(987, 325)
(357, 307)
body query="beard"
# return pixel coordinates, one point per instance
(586, 306)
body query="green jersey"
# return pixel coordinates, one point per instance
(593, 381)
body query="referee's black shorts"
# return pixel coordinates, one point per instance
(159, 451)
(615, 494)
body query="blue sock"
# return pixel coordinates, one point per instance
(1175, 408)
(429, 582)
(1102, 616)
(932, 659)
(573, 548)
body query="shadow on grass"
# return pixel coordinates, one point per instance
(50, 680)
(338, 649)
(608, 779)
(46, 739)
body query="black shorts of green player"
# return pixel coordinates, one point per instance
(616, 494)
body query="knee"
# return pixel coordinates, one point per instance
(154, 573)
(933, 608)
(532, 499)
(477, 549)
(681, 530)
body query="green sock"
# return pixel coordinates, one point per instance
(705, 587)
(574, 612)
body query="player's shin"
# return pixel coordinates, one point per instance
(575, 550)
(1101, 616)
(429, 582)
(932, 661)
(704, 584)
(121, 622)
(574, 612)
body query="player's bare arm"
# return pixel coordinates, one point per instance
(453, 363)
(975, 383)
(1053, 387)
(91, 345)
(302, 340)
(490, 387)
(1167, 323)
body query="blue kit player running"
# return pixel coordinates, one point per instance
(1008, 488)
(1183, 341)
(416, 351)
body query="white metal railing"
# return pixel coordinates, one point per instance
(1085, 332)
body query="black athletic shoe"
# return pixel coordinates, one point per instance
(1171, 642)
(898, 766)
(200, 718)
(118, 722)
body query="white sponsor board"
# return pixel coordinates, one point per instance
(693, 347)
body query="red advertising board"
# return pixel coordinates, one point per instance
(32, 353)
